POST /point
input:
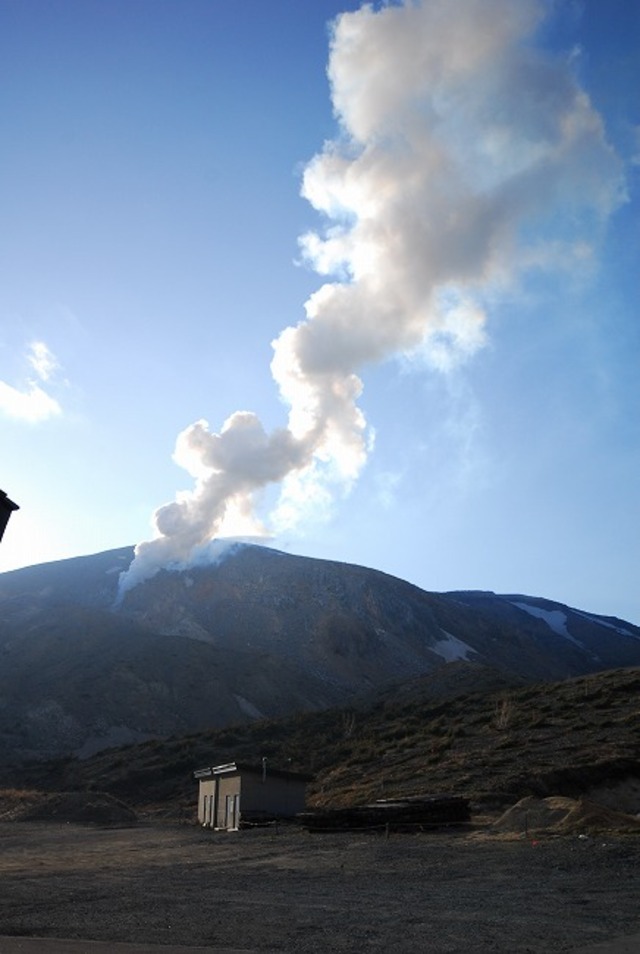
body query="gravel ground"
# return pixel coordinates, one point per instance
(290, 891)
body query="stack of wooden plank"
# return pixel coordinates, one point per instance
(420, 812)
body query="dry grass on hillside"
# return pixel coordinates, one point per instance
(551, 739)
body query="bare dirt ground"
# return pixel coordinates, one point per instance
(291, 891)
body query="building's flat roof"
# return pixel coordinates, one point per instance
(233, 768)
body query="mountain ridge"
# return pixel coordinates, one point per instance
(259, 634)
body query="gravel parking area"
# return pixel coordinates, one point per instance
(291, 891)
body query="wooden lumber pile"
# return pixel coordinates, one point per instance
(417, 813)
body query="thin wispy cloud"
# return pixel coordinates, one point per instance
(42, 360)
(30, 402)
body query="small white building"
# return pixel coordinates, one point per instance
(237, 793)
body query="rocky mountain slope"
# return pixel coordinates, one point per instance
(258, 635)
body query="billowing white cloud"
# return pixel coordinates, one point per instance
(31, 402)
(465, 156)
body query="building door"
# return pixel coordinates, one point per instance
(232, 806)
(205, 812)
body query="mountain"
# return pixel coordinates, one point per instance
(258, 635)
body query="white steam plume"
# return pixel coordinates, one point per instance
(465, 155)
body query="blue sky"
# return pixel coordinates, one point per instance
(472, 209)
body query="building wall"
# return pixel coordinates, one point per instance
(224, 798)
(206, 801)
(228, 787)
(278, 796)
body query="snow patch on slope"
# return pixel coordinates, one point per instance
(602, 622)
(556, 620)
(451, 648)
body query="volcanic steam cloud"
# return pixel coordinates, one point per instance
(465, 155)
